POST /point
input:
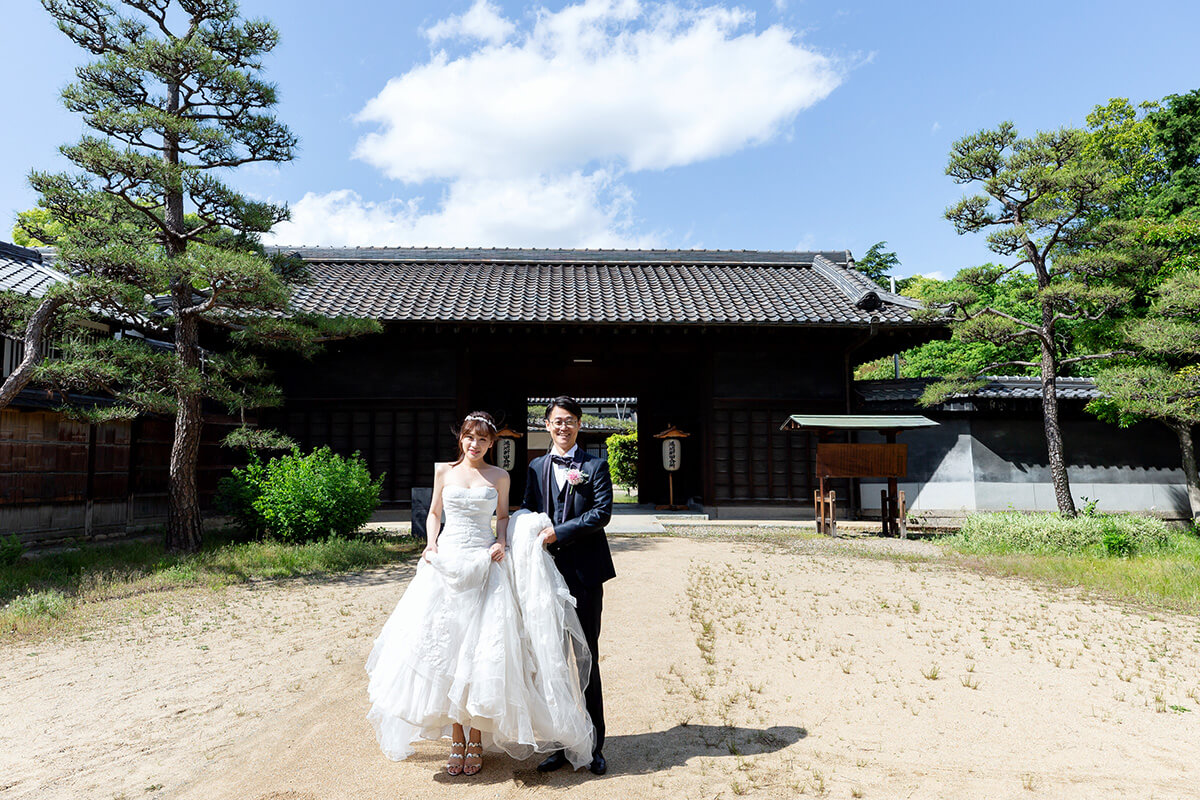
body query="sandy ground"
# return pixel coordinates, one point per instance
(730, 670)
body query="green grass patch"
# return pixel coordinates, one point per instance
(1120, 556)
(622, 496)
(36, 591)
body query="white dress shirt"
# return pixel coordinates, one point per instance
(560, 472)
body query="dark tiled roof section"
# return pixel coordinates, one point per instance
(998, 387)
(588, 286)
(559, 256)
(23, 270)
(588, 401)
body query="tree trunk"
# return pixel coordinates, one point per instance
(1188, 450)
(184, 531)
(1054, 442)
(35, 334)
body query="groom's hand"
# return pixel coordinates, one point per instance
(548, 536)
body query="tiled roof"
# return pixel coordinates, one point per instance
(998, 387)
(23, 270)
(709, 287)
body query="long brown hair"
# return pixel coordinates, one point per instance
(479, 423)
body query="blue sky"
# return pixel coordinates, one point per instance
(770, 125)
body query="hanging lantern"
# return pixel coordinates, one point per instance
(506, 449)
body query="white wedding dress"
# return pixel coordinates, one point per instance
(492, 646)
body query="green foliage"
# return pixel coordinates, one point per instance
(1118, 543)
(247, 438)
(11, 549)
(623, 459)
(301, 497)
(1177, 131)
(968, 351)
(1099, 534)
(47, 603)
(238, 492)
(878, 264)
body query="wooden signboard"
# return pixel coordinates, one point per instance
(862, 460)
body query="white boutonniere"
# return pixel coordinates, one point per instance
(576, 476)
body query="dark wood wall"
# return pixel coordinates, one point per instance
(62, 479)
(395, 398)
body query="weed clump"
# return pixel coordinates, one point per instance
(1119, 535)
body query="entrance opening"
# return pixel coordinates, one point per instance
(602, 417)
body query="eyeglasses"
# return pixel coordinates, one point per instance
(569, 422)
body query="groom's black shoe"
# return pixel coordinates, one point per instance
(555, 760)
(598, 766)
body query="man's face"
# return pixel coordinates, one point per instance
(563, 427)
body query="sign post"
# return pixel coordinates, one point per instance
(672, 459)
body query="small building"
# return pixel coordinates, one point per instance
(722, 344)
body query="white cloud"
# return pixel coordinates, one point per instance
(573, 210)
(530, 131)
(482, 21)
(781, 5)
(937, 126)
(603, 81)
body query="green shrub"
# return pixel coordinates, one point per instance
(623, 459)
(1117, 543)
(11, 549)
(317, 495)
(1106, 534)
(237, 492)
(300, 497)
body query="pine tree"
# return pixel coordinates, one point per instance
(175, 99)
(1038, 204)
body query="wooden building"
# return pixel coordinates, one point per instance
(723, 344)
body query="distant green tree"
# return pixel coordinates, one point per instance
(1163, 381)
(877, 264)
(623, 459)
(1176, 124)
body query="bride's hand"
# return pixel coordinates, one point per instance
(430, 551)
(496, 552)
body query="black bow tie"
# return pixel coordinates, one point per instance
(561, 461)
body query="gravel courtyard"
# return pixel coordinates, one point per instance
(811, 667)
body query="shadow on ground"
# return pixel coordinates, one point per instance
(635, 754)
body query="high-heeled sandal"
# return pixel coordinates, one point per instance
(474, 752)
(454, 762)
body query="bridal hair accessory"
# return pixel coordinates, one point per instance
(484, 420)
(576, 477)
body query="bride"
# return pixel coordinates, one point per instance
(480, 642)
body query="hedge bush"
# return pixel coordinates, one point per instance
(623, 459)
(1102, 534)
(301, 497)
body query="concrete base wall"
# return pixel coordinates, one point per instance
(967, 465)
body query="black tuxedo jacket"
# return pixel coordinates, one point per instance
(581, 552)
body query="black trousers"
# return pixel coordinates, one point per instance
(589, 602)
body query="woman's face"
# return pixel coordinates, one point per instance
(474, 446)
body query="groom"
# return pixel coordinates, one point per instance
(574, 489)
